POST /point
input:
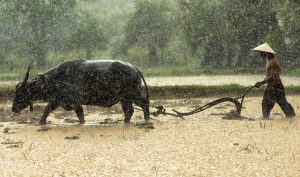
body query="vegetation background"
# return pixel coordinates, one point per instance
(162, 37)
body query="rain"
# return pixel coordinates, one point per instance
(149, 88)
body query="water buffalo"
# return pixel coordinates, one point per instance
(75, 83)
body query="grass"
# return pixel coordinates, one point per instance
(17, 74)
(7, 92)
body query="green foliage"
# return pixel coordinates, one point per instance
(167, 56)
(88, 36)
(181, 33)
(110, 14)
(220, 28)
(35, 27)
(150, 26)
(137, 55)
(253, 21)
(199, 21)
(290, 13)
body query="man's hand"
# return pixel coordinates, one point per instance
(258, 84)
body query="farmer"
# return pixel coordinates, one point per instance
(274, 92)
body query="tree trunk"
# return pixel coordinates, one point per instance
(229, 61)
(243, 56)
(153, 55)
(213, 54)
(279, 41)
(218, 55)
(194, 49)
(40, 56)
(206, 56)
(39, 46)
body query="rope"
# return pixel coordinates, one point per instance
(160, 110)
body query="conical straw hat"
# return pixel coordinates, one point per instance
(264, 48)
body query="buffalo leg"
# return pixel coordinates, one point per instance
(128, 110)
(50, 107)
(144, 104)
(79, 112)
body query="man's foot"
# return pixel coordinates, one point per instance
(290, 116)
(81, 122)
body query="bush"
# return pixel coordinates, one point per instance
(137, 56)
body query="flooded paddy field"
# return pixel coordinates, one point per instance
(205, 144)
(208, 80)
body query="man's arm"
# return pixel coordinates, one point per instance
(266, 80)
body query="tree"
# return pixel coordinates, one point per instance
(203, 28)
(229, 29)
(289, 12)
(250, 23)
(88, 36)
(35, 27)
(150, 26)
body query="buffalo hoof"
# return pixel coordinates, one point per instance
(42, 122)
(147, 119)
(126, 122)
(82, 122)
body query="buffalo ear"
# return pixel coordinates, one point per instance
(43, 79)
(46, 78)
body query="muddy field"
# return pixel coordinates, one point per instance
(209, 143)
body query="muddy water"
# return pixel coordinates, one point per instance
(244, 80)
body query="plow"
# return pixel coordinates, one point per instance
(237, 101)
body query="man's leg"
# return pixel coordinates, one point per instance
(267, 104)
(283, 103)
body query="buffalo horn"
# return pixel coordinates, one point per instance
(26, 76)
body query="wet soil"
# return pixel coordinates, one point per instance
(209, 143)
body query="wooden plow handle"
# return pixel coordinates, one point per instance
(237, 104)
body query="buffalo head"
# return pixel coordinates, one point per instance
(22, 99)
